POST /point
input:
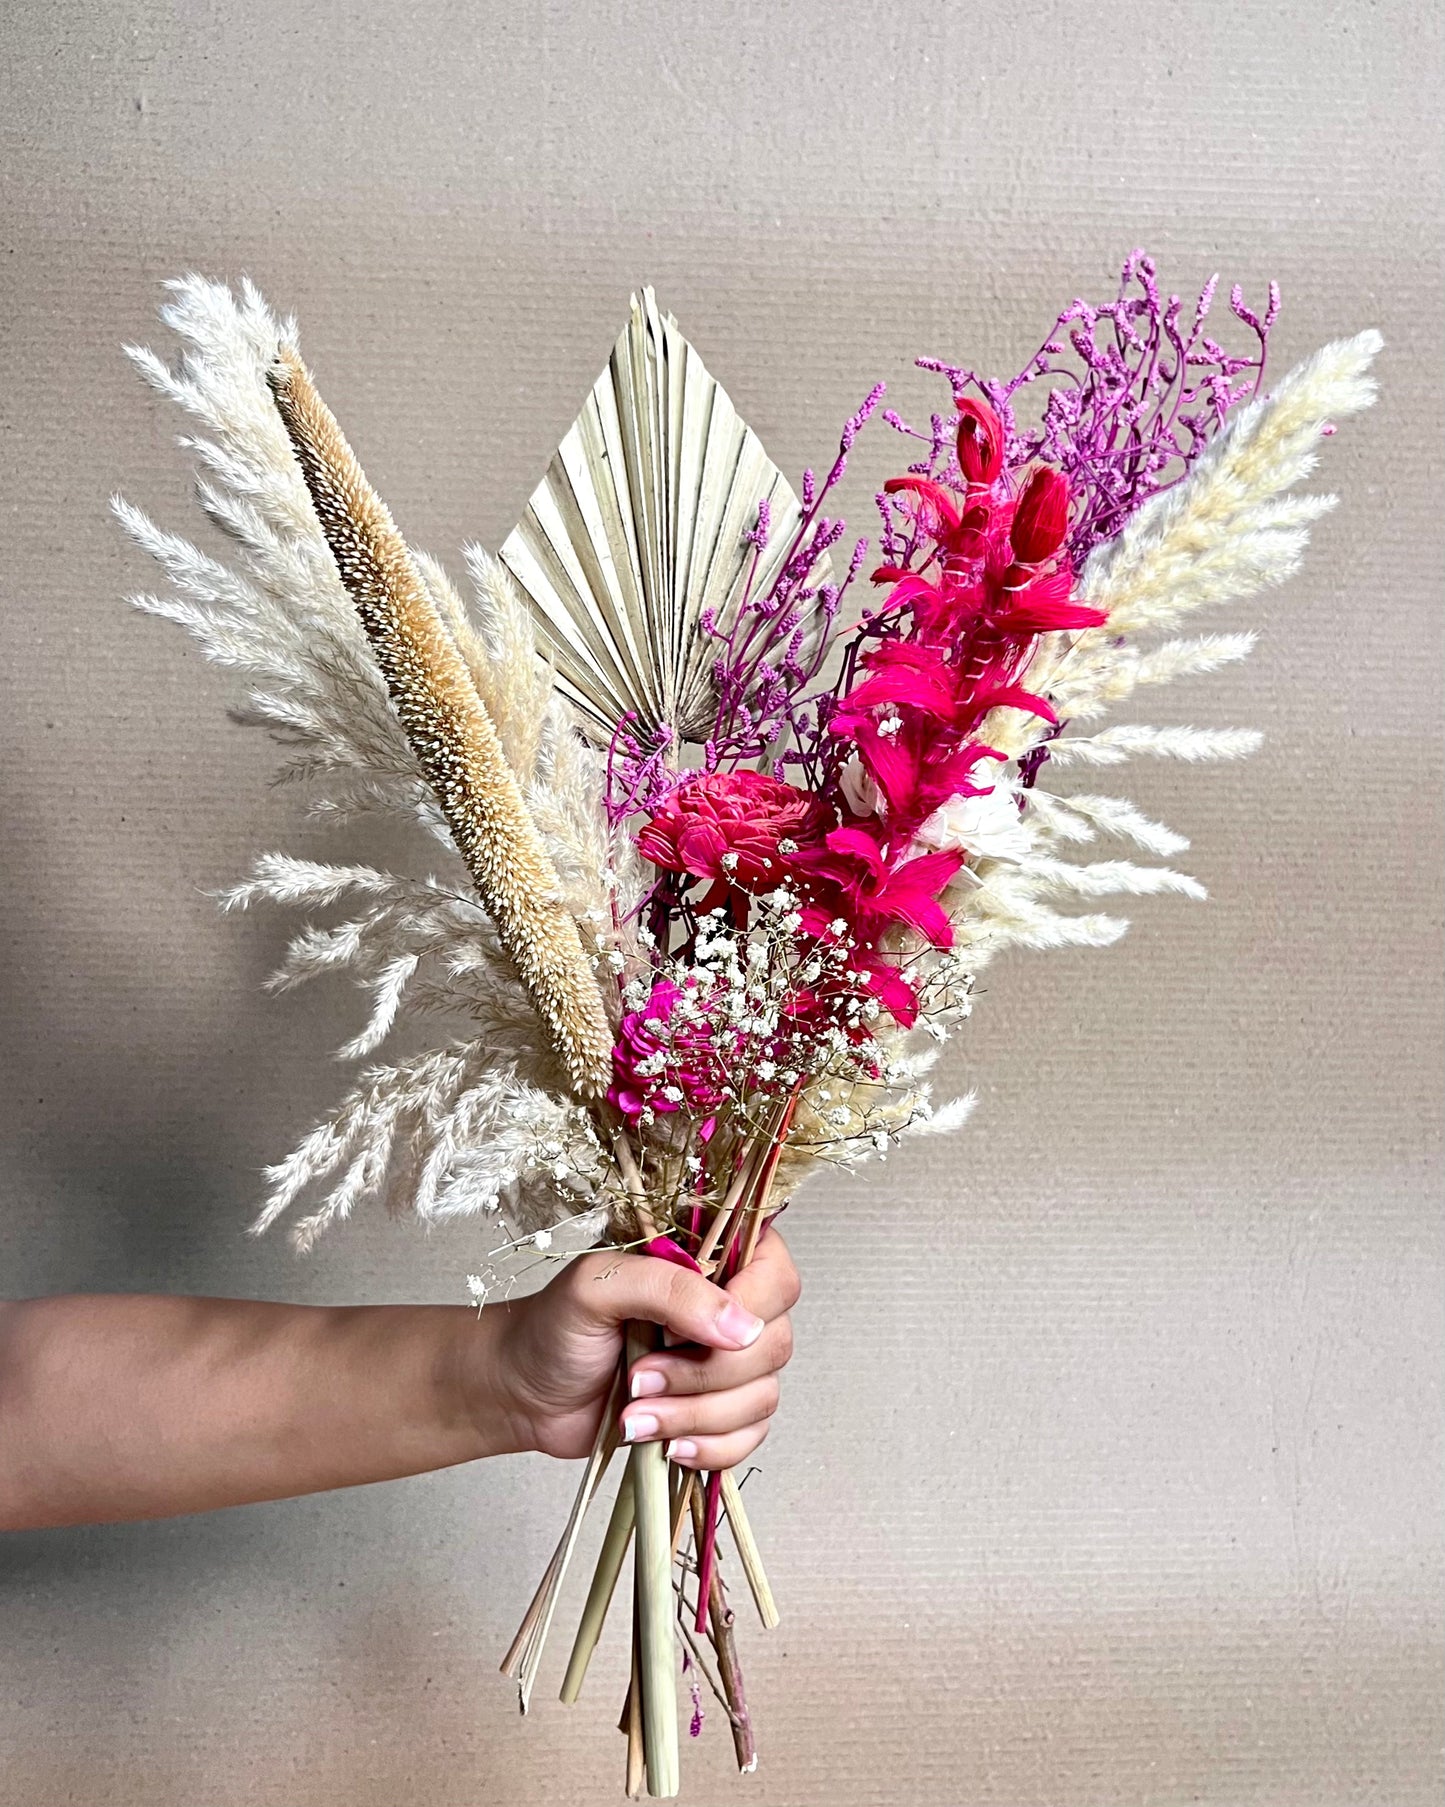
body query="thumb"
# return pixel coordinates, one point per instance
(629, 1287)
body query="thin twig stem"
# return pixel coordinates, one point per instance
(729, 1668)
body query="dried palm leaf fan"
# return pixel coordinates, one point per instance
(639, 530)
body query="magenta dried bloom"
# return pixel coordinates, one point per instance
(666, 1056)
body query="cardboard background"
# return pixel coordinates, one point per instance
(1107, 1471)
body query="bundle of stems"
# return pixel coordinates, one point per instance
(655, 1506)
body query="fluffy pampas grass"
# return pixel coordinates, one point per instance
(1229, 530)
(277, 616)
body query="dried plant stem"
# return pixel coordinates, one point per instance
(632, 1718)
(632, 1180)
(747, 1548)
(681, 1501)
(450, 732)
(604, 1584)
(525, 1655)
(652, 1573)
(720, 1617)
(729, 1212)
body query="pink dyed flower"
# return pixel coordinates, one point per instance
(1041, 518)
(666, 1058)
(737, 827)
(980, 442)
(876, 891)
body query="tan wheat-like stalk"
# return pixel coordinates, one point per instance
(450, 732)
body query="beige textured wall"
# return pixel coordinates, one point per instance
(1108, 1466)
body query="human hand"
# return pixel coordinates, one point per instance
(710, 1394)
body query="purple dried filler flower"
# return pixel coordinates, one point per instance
(1123, 419)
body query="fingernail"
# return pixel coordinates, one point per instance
(681, 1449)
(648, 1382)
(637, 1427)
(738, 1324)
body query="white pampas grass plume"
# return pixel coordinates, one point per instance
(1103, 878)
(501, 651)
(450, 732)
(1003, 911)
(281, 618)
(418, 945)
(945, 1118)
(1089, 680)
(1083, 816)
(446, 1132)
(1228, 529)
(1192, 657)
(1113, 746)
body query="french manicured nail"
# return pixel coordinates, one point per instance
(681, 1449)
(637, 1427)
(648, 1382)
(738, 1324)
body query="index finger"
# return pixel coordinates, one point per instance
(769, 1284)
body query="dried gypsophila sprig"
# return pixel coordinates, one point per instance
(450, 733)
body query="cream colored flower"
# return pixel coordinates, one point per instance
(988, 826)
(858, 787)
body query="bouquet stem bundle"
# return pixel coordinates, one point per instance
(655, 1507)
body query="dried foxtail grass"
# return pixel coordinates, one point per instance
(450, 732)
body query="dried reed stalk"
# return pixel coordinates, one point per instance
(632, 1718)
(747, 1548)
(450, 732)
(525, 1654)
(604, 1585)
(652, 1579)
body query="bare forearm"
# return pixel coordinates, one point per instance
(135, 1406)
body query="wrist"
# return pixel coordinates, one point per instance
(477, 1394)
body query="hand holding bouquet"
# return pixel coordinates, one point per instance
(732, 820)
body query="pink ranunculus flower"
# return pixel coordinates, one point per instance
(738, 827)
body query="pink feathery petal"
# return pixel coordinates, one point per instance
(663, 1248)
(1043, 607)
(910, 895)
(890, 764)
(933, 496)
(1013, 696)
(1043, 617)
(892, 991)
(861, 845)
(979, 443)
(915, 677)
(914, 589)
(1041, 518)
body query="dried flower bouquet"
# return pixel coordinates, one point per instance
(723, 852)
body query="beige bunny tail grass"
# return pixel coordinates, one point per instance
(450, 732)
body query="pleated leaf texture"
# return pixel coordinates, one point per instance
(639, 529)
